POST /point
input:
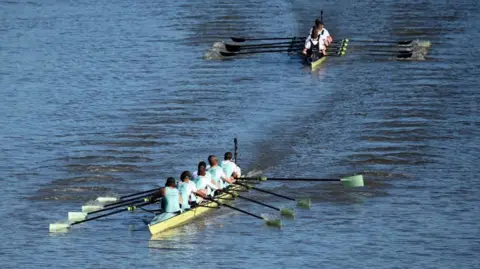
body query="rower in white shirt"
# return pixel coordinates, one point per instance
(324, 34)
(229, 167)
(205, 183)
(188, 190)
(314, 46)
(217, 173)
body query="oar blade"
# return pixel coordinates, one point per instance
(353, 181)
(107, 199)
(91, 208)
(233, 48)
(287, 212)
(224, 53)
(276, 223)
(76, 216)
(304, 203)
(58, 227)
(404, 55)
(238, 39)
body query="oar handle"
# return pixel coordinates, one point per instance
(265, 191)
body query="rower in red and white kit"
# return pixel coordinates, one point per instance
(314, 46)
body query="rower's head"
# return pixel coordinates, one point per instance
(212, 160)
(319, 24)
(170, 182)
(202, 168)
(315, 33)
(228, 156)
(186, 176)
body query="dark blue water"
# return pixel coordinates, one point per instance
(104, 97)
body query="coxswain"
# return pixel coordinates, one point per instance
(314, 46)
(229, 167)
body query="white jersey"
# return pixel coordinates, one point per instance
(309, 42)
(191, 188)
(324, 34)
(205, 182)
(230, 167)
(217, 174)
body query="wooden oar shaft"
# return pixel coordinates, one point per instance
(265, 191)
(235, 208)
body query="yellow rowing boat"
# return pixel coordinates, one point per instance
(183, 218)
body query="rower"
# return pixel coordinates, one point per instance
(205, 183)
(217, 173)
(187, 189)
(324, 34)
(171, 200)
(314, 46)
(230, 168)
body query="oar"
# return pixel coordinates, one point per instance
(273, 222)
(300, 202)
(235, 48)
(398, 55)
(243, 39)
(77, 216)
(90, 208)
(58, 227)
(228, 54)
(352, 181)
(107, 199)
(393, 42)
(288, 212)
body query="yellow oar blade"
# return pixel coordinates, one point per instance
(273, 223)
(353, 181)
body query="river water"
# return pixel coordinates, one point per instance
(114, 96)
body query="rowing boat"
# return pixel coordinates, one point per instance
(316, 63)
(157, 226)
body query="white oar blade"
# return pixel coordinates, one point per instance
(59, 227)
(76, 216)
(90, 208)
(107, 199)
(353, 181)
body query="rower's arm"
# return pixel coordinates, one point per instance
(159, 194)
